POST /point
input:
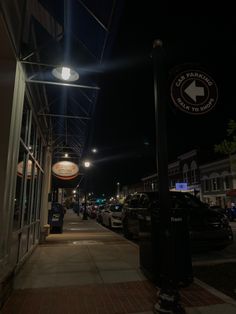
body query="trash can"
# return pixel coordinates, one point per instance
(56, 218)
(151, 248)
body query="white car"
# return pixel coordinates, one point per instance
(111, 216)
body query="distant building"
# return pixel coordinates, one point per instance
(218, 182)
(213, 182)
(132, 188)
(183, 170)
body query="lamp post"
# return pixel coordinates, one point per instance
(118, 190)
(87, 164)
(168, 299)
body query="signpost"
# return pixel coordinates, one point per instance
(168, 298)
(194, 92)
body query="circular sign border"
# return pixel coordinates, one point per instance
(172, 87)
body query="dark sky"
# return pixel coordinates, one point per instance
(124, 121)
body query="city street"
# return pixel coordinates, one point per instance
(215, 257)
(216, 268)
(227, 255)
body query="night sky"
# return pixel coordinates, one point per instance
(124, 122)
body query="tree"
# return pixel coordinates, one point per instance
(228, 145)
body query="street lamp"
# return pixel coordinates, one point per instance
(87, 164)
(118, 190)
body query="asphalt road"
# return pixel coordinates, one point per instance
(226, 255)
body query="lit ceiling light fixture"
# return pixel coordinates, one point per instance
(65, 74)
(66, 155)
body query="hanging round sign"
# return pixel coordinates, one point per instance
(65, 170)
(194, 92)
(20, 169)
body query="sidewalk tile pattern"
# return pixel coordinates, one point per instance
(116, 298)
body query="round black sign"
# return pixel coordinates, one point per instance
(194, 92)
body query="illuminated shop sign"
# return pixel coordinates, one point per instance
(65, 170)
(20, 169)
(181, 186)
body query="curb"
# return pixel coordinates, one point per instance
(214, 291)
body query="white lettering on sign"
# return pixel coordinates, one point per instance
(179, 219)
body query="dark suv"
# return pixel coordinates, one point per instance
(208, 229)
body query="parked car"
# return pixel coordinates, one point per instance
(111, 216)
(100, 213)
(231, 213)
(92, 210)
(208, 228)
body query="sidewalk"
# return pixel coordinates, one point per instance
(90, 269)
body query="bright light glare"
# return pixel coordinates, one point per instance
(65, 73)
(94, 150)
(87, 164)
(66, 155)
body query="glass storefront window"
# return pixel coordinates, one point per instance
(207, 185)
(31, 169)
(32, 143)
(25, 123)
(227, 182)
(19, 189)
(28, 184)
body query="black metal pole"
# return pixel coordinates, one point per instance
(168, 298)
(85, 214)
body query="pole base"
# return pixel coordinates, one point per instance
(85, 217)
(159, 310)
(168, 303)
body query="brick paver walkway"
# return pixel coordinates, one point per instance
(115, 298)
(51, 283)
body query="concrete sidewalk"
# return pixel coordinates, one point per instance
(90, 269)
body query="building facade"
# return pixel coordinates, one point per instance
(213, 182)
(218, 182)
(183, 170)
(25, 168)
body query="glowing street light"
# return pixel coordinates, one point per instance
(118, 189)
(94, 150)
(87, 164)
(65, 73)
